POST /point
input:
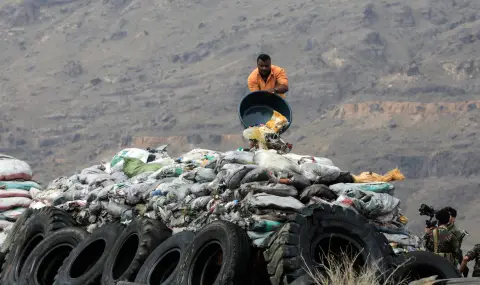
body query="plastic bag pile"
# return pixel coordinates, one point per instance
(15, 184)
(258, 190)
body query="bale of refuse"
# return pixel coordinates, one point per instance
(258, 190)
(15, 185)
(14, 169)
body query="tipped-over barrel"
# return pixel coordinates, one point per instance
(257, 108)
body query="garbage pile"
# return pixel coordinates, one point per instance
(15, 196)
(258, 190)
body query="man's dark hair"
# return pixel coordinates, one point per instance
(452, 211)
(443, 217)
(263, 57)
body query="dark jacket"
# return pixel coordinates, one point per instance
(443, 242)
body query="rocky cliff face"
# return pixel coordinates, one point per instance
(374, 85)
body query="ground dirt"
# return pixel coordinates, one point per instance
(373, 84)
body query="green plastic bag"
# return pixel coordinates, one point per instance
(134, 166)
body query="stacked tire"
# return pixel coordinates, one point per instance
(33, 227)
(48, 248)
(322, 232)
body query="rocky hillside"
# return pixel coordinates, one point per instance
(374, 85)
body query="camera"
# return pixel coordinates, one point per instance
(426, 210)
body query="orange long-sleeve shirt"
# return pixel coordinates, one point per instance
(277, 76)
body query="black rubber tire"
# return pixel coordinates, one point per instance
(36, 228)
(293, 246)
(131, 249)
(235, 254)
(42, 265)
(2, 258)
(12, 235)
(27, 213)
(84, 265)
(161, 267)
(305, 279)
(421, 264)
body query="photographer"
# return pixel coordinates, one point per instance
(440, 240)
(454, 230)
(451, 224)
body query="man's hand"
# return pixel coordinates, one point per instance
(272, 90)
(463, 266)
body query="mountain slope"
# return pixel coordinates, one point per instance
(374, 85)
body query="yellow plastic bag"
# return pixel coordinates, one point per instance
(402, 219)
(257, 134)
(366, 177)
(277, 122)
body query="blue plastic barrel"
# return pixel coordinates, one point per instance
(257, 108)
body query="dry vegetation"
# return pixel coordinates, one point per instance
(342, 271)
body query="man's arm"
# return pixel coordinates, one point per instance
(463, 266)
(252, 83)
(472, 254)
(282, 81)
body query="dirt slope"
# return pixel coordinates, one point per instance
(374, 85)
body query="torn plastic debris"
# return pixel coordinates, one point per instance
(232, 174)
(198, 155)
(404, 240)
(178, 188)
(281, 190)
(117, 161)
(318, 190)
(301, 159)
(134, 166)
(374, 204)
(262, 200)
(200, 189)
(122, 212)
(72, 205)
(392, 175)
(319, 173)
(72, 195)
(137, 193)
(259, 238)
(167, 171)
(274, 161)
(236, 157)
(377, 187)
(93, 175)
(200, 203)
(142, 178)
(296, 180)
(258, 174)
(201, 175)
(61, 184)
(264, 226)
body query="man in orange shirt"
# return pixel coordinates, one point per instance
(268, 77)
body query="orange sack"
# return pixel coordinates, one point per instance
(366, 177)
